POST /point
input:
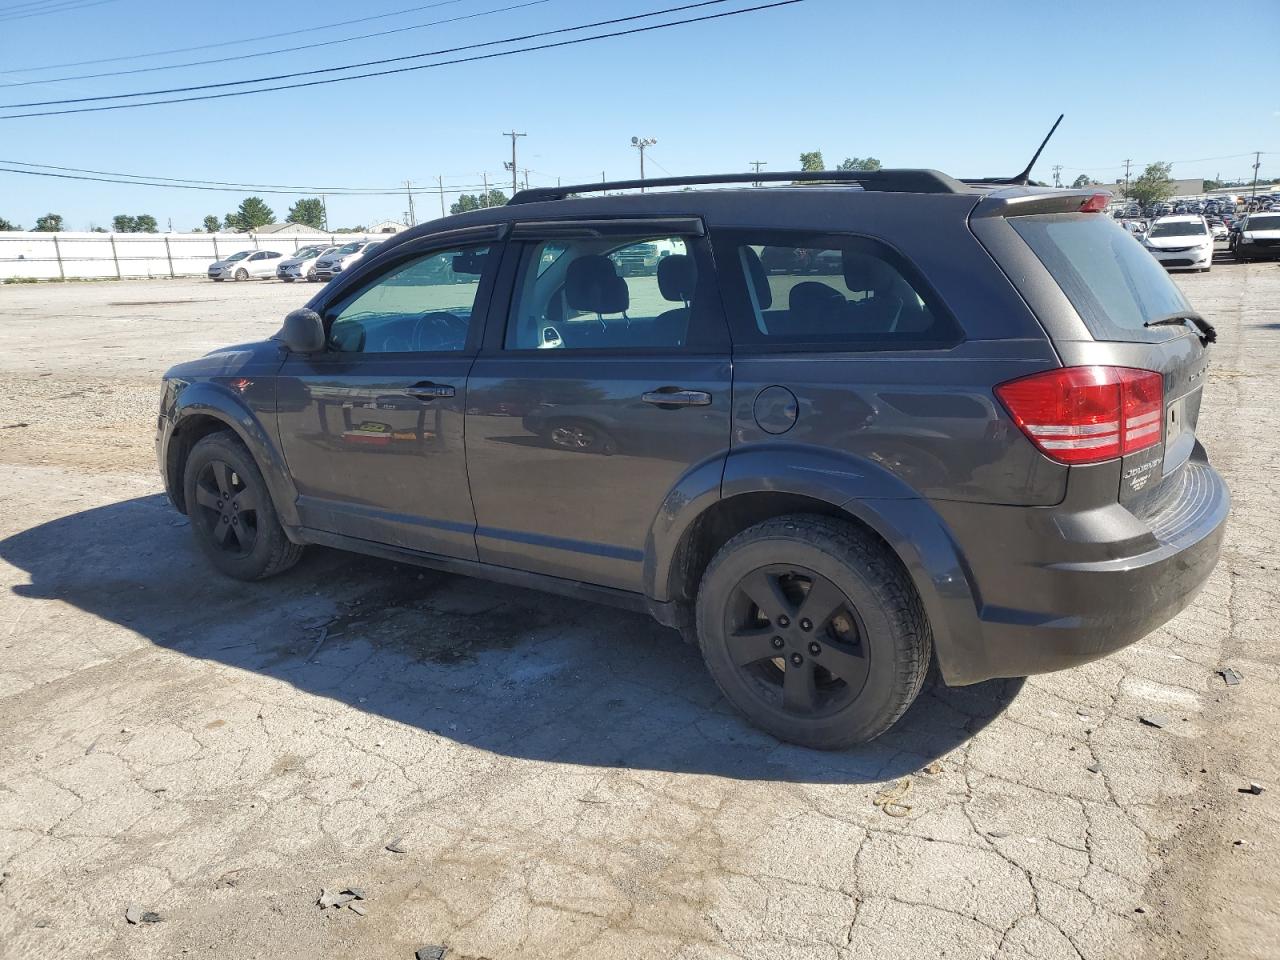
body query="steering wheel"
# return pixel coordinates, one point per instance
(439, 331)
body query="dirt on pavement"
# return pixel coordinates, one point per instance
(563, 779)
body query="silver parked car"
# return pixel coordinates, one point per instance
(343, 258)
(302, 265)
(245, 265)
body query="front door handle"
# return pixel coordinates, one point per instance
(430, 391)
(675, 397)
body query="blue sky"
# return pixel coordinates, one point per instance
(967, 87)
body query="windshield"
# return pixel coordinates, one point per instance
(1271, 222)
(1115, 285)
(349, 248)
(238, 256)
(1184, 229)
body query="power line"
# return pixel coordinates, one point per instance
(68, 6)
(231, 43)
(293, 191)
(380, 73)
(267, 53)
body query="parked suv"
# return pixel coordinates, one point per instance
(974, 442)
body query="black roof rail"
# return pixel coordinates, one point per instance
(893, 181)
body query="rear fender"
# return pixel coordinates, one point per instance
(860, 488)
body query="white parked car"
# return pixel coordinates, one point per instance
(343, 258)
(1182, 242)
(302, 265)
(245, 265)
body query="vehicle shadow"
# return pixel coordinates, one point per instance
(510, 671)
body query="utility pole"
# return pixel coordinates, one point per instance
(1126, 178)
(413, 219)
(324, 213)
(1257, 162)
(525, 171)
(1057, 179)
(440, 184)
(641, 143)
(756, 165)
(485, 201)
(515, 185)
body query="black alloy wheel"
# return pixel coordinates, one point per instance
(226, 508)
(797, 639)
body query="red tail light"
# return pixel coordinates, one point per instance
(1096, 203)
(1087, 414)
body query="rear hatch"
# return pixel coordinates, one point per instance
(1110, 304)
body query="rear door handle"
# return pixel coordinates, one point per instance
(675, 397)
(430, 391)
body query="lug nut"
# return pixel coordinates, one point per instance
(784, 621)
(806, 624)
(797, 659)
(777, 643)
(814, 649)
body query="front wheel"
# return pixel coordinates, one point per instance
(242, 274)
(232, 516)
(811, 627)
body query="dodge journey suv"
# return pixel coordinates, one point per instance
(843, 430)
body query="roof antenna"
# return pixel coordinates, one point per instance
(1024, 177)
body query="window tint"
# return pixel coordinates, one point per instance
(419, 306)
(623, 293)
(1114, 284)
(834, 291)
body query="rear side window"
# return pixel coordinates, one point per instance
(1115, 285)
(826, 291)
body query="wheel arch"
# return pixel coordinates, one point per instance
(775, 482)
(204, 409)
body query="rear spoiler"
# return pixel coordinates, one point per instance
(1023, 202)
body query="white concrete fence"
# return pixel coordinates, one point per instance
(97, 256)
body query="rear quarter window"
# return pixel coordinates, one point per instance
(1113, 282)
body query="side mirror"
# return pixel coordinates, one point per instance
(303, 331)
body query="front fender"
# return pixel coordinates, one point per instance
(243, 412)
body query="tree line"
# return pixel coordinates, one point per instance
(252, 213)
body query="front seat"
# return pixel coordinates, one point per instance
(677, 278)
(592, 285)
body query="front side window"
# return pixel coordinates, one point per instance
(851, 291)
(605, 293)
(423, 305)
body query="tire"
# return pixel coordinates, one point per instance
(860, 665)
(248, 549)
(287, 279)
(242, 274)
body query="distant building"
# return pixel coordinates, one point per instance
(386, 226)
(287, 229)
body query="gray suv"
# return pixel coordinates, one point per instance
(844, 430)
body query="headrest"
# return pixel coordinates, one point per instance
(592, 284)
(677, 277)
(811, 303)
(864, 272)
(758, 278)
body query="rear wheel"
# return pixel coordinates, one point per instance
(232, 516)
(811, 628)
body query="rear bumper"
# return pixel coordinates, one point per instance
(1058, 587)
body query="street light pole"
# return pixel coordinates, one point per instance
(640, 143)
